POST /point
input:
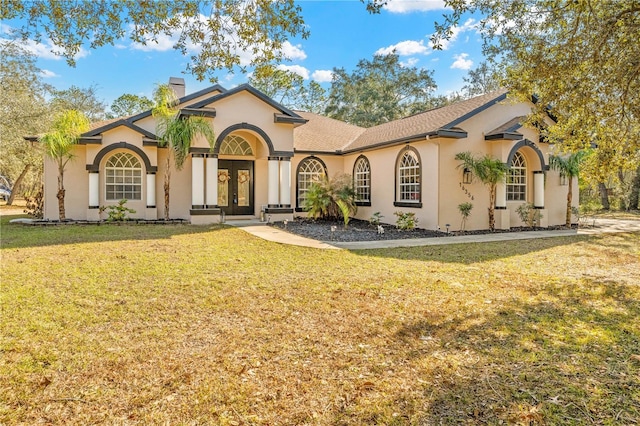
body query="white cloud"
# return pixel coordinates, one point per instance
(405, 48)
(298, 69)
(162, 43)
(409, 62)
(461, 62)
(48, 74)
(322, 76)
(293, 52)
(470, 24)
(408, 6)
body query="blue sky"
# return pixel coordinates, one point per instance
(342, 33)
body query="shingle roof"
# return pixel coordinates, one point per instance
(424, 123)
(323, 134)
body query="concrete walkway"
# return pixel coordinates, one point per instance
(277, 235)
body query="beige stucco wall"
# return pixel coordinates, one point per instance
(76, 183)
(243, 107)
(442, 188)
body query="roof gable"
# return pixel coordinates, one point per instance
(118, 123)
(285, 115)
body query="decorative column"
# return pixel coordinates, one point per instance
(273, 196)
(94, 190)
(197, 181)
(501, 196)
(285, 182)
(151, 190)
(538, 189)
(211, 165)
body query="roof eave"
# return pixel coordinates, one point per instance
(197, 112)
(282, 118)
(509, 136)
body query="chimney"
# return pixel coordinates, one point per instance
(177, 84)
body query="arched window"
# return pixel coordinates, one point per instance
(408, 175)
(362, 180)
(310, 170)
(123, 177)
(517, 179)
(235, 145)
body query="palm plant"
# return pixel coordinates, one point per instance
(176, 133)
(490, 171)
(59, 143)
(568, 166)
(330, 199)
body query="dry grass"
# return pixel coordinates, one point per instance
(209, 325)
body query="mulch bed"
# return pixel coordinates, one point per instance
(361, 230)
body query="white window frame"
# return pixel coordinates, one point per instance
(409, 179)
(362, 180)
(517, 178)
(123, 177)
(310, 170)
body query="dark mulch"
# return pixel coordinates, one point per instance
(360, 230)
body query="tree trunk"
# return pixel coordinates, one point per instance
(16, 185)
(492, 203)
(604, 196)
(634, 199)
(569, 199)
(167, 182)
(60, 195)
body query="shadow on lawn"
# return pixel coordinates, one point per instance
(568, 357)
(470, 253)
(15, 235)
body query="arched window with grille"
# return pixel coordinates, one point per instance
(310, 170)
(408, 179)
(517, 179)
(235, 145)
(123, 177)
(362, 181)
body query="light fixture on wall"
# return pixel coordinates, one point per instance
(466, 176)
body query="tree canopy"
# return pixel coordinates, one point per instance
(83, 99)
(216, 34)
(289, 89)
(580, 58)
(24, 111)
(129, 104)
(380, 90)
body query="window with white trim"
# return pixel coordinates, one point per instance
(123, 177)
(310, 171)
(362, 180)
(517, 179)
(408, 177)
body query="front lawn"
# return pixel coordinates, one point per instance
(179, 324)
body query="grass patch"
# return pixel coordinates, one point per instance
(183, 324)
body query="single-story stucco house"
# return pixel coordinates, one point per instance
(266, 156)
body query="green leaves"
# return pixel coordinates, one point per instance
(66, 131)
(379, 91)
(223, 30)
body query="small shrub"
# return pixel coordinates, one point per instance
(345, 210)
(119, 213)
(465, 212)
(406, 221)
(375, 219)
(529, 214)
(322, 197)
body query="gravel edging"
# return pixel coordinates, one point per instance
(360, 230)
